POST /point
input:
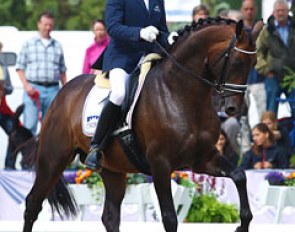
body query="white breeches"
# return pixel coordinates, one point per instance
(118, 80)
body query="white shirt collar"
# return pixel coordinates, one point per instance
(146, 4)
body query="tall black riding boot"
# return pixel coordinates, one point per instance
(108, 119)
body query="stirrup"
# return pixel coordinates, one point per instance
(93, 159)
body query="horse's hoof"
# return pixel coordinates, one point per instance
(240, 229)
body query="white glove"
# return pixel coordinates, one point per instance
(149, 33)
(171, 37)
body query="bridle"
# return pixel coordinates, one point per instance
(221, 87)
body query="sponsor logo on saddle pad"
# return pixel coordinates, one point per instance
(92, 109)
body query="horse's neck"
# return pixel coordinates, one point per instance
(192, 55)
(174, 83)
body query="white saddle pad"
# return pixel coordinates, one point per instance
(92, 109)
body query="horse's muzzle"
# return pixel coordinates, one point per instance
(231, 110)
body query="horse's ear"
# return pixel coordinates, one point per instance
(19, 111)
(256, 29)
(239, 29)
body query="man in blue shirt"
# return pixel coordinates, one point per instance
(132, 27)
(40, 66)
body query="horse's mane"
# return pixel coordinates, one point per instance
(200, 25)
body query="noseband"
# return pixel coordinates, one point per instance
(221, 87)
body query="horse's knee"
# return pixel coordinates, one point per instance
(239, 176)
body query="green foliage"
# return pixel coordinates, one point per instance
(206, 208)
(95, 184)
(136, 178)
(13, 13)
(288, 81)
(69, 14)
(94, 181)
(292, 161)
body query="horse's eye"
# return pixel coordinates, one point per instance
(237, 62)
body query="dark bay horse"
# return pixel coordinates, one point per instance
(174, 123)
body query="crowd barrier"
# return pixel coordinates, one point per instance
(268, 206)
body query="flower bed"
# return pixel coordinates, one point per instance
(205, 206)
(281, 179)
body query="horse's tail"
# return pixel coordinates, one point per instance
(62, 200)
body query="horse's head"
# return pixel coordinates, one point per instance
(229, 62)
(220, 53)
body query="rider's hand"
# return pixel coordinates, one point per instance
(172, 37)
(149, 33)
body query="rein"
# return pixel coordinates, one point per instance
(221, 87)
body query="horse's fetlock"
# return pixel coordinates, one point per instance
(170, 222)
(246, 216)
(30, 217)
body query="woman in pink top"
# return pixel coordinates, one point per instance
(101, 40)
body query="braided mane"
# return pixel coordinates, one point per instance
(201, 24)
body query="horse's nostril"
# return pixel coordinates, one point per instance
(231, 110)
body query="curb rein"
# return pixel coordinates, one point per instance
(221, 87)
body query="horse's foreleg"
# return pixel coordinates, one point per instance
(162, 182)
(220, 166)
(115, 184)
(240, 180)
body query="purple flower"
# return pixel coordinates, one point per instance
(275, 178)
(70, 177)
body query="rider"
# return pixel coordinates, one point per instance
(132, 29)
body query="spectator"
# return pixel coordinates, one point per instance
(231, 14)
(132, 28)
(264, 154)
(276, 50)
(40, 66)
(101, 40)
(281, 134)
(232, 128)
(255, 82)
(200, 12)
(225, 148)
(255, 98)
(6, 113)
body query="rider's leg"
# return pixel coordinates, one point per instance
(108, 119)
